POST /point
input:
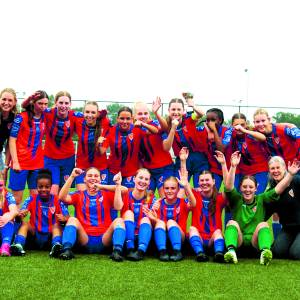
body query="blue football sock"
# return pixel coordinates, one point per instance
(20, 239)
(129, 225)
(144, 236)
(69, 236)
(219, 245)
(7, 232)
(56, 240)
(118, 238)
(175, 237)
(196, 244)
(160, 238)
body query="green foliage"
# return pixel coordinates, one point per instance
(287, 117)
(112, 111)
(51, 101)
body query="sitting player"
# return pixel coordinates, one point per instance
(46, 213)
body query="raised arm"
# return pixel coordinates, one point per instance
(149, 127)
(220, 157)
(183, 155)
(155, 107)
(118, 202)
(64, 192)
(190, 102)
(167, 143)
(235, 160)
(293, 169)
(183, 181)
(257, 135)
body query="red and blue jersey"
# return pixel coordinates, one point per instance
(29, 141)
(43, 213)
(152, 152)
(254, 157)
(59, 132)
(88, 155)
(215, 167)
(186, 135)
(136, 206)
(283, 141)
(124, 150)
(178, 211)
(8, 199)
(202, 219)
(93, 212)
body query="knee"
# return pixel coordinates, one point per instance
(171, 223)
(128, 215)
(193, 231)
(73, 221)
(145, 220)
(232, 223)
(160, 224)
(118, 222)
(262, 225)
(217, 234)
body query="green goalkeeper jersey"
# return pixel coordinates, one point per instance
(248, 216)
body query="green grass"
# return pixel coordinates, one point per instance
(97, 277)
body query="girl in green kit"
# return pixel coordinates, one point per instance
(248, 227)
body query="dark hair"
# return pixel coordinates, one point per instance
(238, 116)
(38, 95)
(213, 201)
(174, 100)
(44, 174)
(248, 177)
(218, 112)
(125, 108)
(62, 93)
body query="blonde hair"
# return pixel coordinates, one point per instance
(148, 194)
(260, 111)
(12, 92)
(137, 104)
(62, 93)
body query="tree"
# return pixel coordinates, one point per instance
(112, 111)
(287, 117)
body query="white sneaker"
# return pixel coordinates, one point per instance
(266, 257)
(230, 257)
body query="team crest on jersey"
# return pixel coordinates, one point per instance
(66, 177)
(276, 140)
(103, 176)
(67, 123)
(43, 126)
(130, 136)
(129, 178)
(177, 210)
(254, 209)
(9, 125)
(52, 209)
(244, 145)
(185, 129)
(291, 193)
(101, 199)
(161, 179)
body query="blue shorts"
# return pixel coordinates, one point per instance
(103, 174)
(196, 163)
(39, 241)
(60, 169)
(159, 175)
(18, 179)
(126, 181)
(94, 244)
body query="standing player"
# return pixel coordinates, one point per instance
(183, 133)
(89, 128)
(252, 148)
(59, 148)
(8, 111)
(46, 212)
(158, 161)
(248, 227)
(25, 145)
(138, 225)
(8, 211)
(170, 217)
(93, 228)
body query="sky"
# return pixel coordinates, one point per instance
(133, 50)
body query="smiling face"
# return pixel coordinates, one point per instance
(142, 180)
(7, 102)
(63, 105)
(176, 111)
(90, 114)
(142, 113)
(92, 176)
(248, 189)
(40, 105)
(277, 170)
(124, 120)
(206, 183)
(262, 123)
(171, 189)
(44, 188)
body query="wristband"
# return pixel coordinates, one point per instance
(6, 167)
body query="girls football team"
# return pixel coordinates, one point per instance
(114, 201)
